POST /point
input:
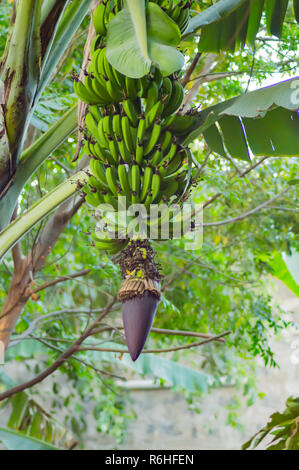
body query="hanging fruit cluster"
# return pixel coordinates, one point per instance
(134, 135)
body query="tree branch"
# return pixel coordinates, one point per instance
(66, 354)
(247, 214)
(191, 69)
(53, 282)
(163, 331)
(151, 351)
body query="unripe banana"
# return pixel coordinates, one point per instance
(130, 111)
(176, 100)
(156, 183)
(139, 152)
(98, 172)
(147, 180)
(123, 178)
(111, 181)
(143, 86)
(113, 201)
(94, 199)
(125, 154)
(131, 88)
(92, 125)
(113, 147)
(99, 19)
(154, 113)
(166, 90)
(157, 157)
(126, 132)
(135, 183)
(156, 131)
(174, 164)
(83, 94)
(152, 96)
(166, 140)
(141, 129)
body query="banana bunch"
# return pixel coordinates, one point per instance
(177, 10)
(134, 129)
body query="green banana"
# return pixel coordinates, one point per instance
(157, 157)
(156, 183)
(99, 19)
(127, 135)
(141, 129)
(170, 189)
(169, 156)
(103, 155)
(139, 152)
(154, 113)
(131, 88)
(111, 200)
(143, 86)
(166, 140)
(115, 93)
(102, 137)
(176, 100)
(152, 96)
(156, 131)
(97, 171)
(91, 125)
(125, 154)
(130, 111)
(113, 147)
(111, 181)
(166, 90)
(135, 183)
(124, 182)
(147, 180)
(93, 199)
(174, 164)
(84, 94)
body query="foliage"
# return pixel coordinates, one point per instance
(283, 426)
(221, 287)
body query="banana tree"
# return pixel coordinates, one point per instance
(264, 122)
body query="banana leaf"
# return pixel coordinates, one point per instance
(172, 372)
(231, 23)
(41, 209)
(264, 122)
(13, 440)
(139, 36)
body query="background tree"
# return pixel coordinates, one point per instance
(56, 291)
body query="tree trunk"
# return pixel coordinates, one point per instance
(17, 297)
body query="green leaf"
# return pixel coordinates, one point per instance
(26, 350)
(68, 24)
(163, 38)
(17, 441)
(231, 23)
(149, 364)
(25, 222)
(139, 36)
(127, 48)
(275, 14)
(283, 426)
(213, 14)
(262, 122)
(292, 263)
(33, 157)
(281, 272)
